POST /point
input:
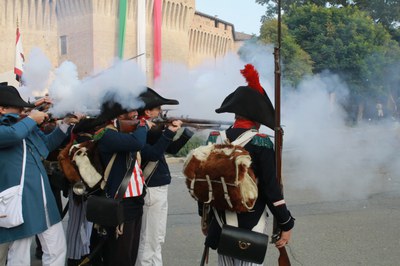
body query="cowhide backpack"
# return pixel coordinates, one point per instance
(82, 165)
(220, 175)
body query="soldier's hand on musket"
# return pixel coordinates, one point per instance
(175, 125)
(44, 100)
(38, 116)
(150, 124)
(80, 116)
(71, 119)
(284, 239)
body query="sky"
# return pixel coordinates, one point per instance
(245, 15)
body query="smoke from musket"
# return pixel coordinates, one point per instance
(202, 89)
(36, 75)
(122, 83)
(321, 152)
(326, 154)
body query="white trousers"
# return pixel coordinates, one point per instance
(154, 225)
(53, 245)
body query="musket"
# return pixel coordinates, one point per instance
(130, 125)
(283, 259)
(193, 122)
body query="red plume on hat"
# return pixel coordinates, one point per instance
(252, 78)
(250, 101)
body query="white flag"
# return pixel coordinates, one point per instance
(19, 57)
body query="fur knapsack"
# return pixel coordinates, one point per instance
(220, 175)
(81, 162)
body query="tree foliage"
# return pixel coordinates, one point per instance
(296, 63)
(288, 5)
(345, 41)
(347, 38)
(386, 12)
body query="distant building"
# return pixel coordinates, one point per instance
(86, 33)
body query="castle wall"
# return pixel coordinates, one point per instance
(209, 38)
(86, 32)
(38, 27)
(75, 26)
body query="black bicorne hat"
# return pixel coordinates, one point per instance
(152, 99)
(109, 111)
(250, 101)
(9, 96)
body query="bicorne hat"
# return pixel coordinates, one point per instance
(9, 96)
(109, 111)
(250, 101)
(152, 99)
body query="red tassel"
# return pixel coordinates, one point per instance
(252, 78)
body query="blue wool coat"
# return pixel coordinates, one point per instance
(11, 152)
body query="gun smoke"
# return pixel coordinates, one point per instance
(123, 82)
(321, 152)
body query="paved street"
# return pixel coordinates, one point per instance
(344, 232)
(341, 232)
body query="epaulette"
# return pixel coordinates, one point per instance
(212, 138)
(262, 140)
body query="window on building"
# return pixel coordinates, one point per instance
(63, 45)
(216, 23)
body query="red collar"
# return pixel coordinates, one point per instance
(145, 117)
(244, 123)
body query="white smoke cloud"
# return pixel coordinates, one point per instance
(123, 82)
(327, 155)
(202, 89)
(36, 75)
(321, 152)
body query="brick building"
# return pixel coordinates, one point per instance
(86, 33)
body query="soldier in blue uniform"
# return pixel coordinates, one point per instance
(22, 141)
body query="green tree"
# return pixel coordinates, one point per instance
(386, 12)
(288, 5)
(347, 42)
(296, 63)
